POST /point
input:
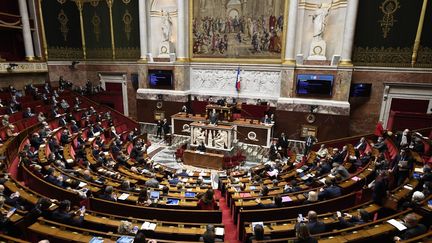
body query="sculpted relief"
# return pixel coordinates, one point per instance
(219, 81)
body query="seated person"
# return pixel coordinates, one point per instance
(303, 234)
(63, 215)
(41, 117)
(10, 131)
(209, 235)
(266, 120)
(314, 226)
(312, 197)
(322, 152)
(5, 120)
(258, 233)
(27, 113)
(413, 228)
(213, 118)
(330, 190)
(108, 194)
(339, 169)
(362, 218)
(207, 201)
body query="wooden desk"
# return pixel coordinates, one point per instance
(205, 160)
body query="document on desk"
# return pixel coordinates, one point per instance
(397, 224)
(123, 196)
(148, 226)
(82, 184)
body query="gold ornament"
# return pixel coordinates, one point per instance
(127, 20)
(94, 3)
(96, 26)
(63, 19)
(388, 7)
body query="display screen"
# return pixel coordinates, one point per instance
(160, 79)
(360, 90)
(311, 84)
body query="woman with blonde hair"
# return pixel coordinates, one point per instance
(125, 228)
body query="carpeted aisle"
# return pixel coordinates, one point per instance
(230, 227)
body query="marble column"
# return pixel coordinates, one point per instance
(182, 22)
(143, 29)
(349, 30)
(291, 33)
(27, 36)
(149, 39)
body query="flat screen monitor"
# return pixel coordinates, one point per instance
(160, 79)
(312, 84)
(361, 90)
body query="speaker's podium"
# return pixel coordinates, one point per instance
(216, 137)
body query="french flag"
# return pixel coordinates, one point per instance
(237, 82)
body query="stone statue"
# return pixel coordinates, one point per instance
(166, 26)
(319, 19)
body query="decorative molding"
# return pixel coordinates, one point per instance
(330, 107)
(25, 67)
(167, 95)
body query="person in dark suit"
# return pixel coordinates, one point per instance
(74, 127)
(27, 113)
(402, 167)
(201, 147)
(274, 151)
(36, 141)
(266, 119)
(276, 204)
(380, 145)
(108, 194)
(362, 218)
(360, 147)
(62, 121)
(213, 118)
(314, 226)
(403, 139)
(303, 234)
(90, 132)
(258, 233)
(380, 188)
(283, 143)
(64, 216)
(159, 129)
(165, 127)
(413, 228)
(330, 190)
(309, 143)
(65, 137)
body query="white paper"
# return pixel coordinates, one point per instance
(322, 180)
(408, 187)
(69, 161)
(257, 223)
(82, 184)
(123, 196)
(299, 170)
(418, 170)
(398, 225)
(219, 231)
(148, 226)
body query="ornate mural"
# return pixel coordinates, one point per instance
(237, 28)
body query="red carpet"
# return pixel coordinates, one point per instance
(230, 227)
